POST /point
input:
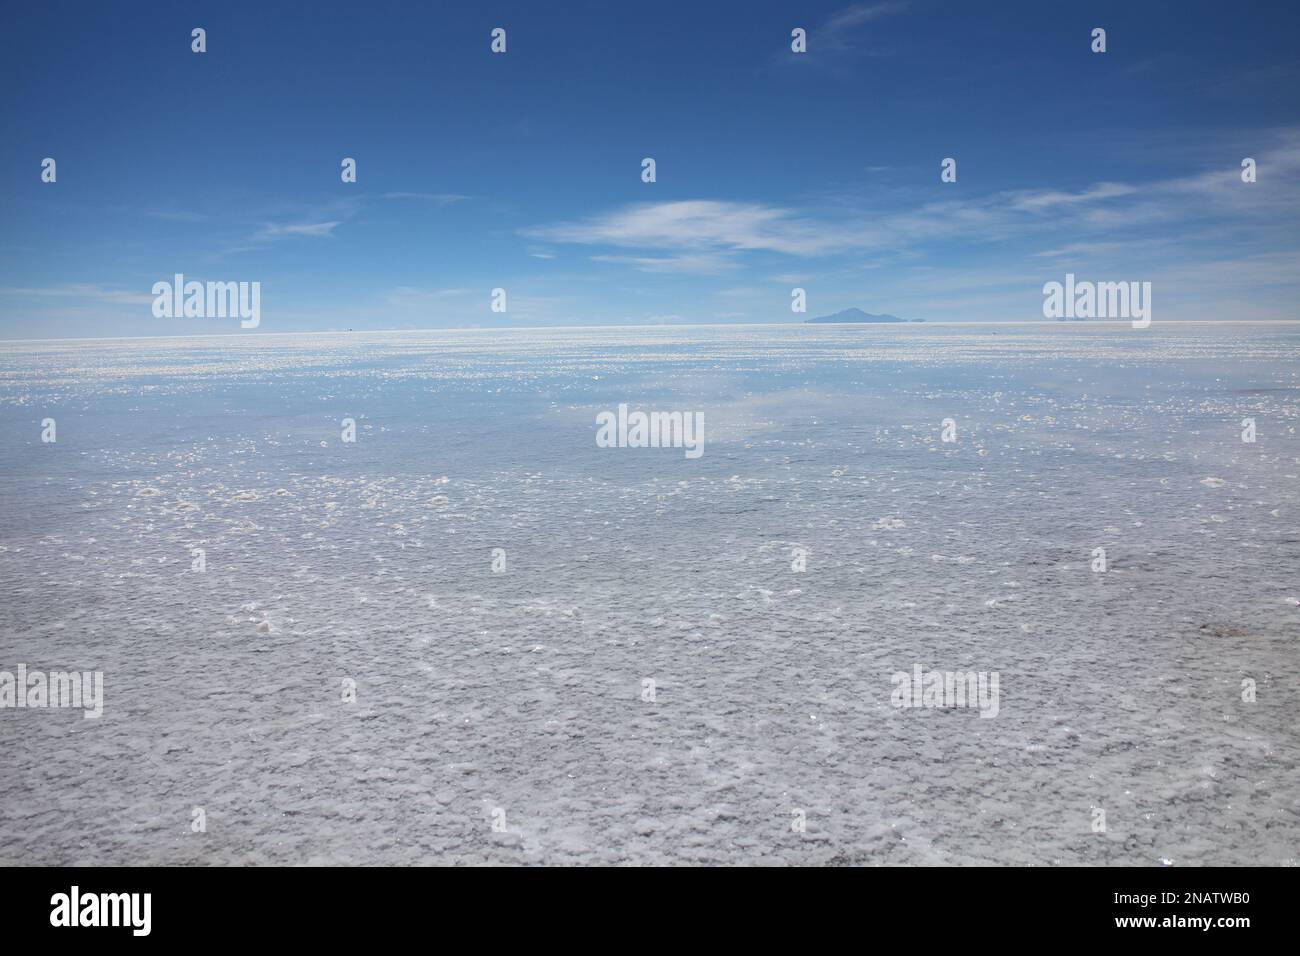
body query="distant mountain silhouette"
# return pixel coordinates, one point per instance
(857, 315)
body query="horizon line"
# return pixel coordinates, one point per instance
(1076, 323)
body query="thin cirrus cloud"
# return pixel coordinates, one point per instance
(836, 32)
(697, 225)
(322, 229)
(1037, 201)
(440, 199)
(84, 291)
(688, 264)
(707, 235)
(840, 36)
(713, 236)
(272, 231)
(276, 232)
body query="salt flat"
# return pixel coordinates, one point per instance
(522, 691)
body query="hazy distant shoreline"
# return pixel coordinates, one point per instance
(918, 326)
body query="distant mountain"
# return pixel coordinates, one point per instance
(857, 315)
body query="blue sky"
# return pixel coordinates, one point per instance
(523, 170)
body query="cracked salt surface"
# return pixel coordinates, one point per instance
(523, 690)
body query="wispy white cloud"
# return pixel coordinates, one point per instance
(1044, 200)
(699, 226)
(441, 199)
(82, 291)
(836, 33)
(410, 294)
(294, 229)
(837, 38)
(709, 236)
(696, 264)
(1102, 247)
(177, 215)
